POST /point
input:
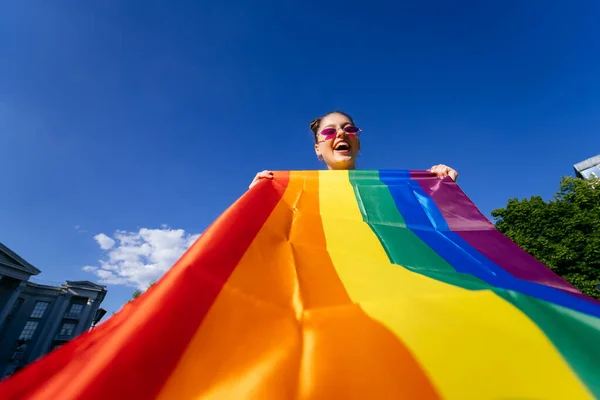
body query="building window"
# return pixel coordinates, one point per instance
(67, 329)
(593, 172)
(19, 351)
(75, 311)
(28, 330)
(39, 309)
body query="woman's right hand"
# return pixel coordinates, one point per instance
(261, 175)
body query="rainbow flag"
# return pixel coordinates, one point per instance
(340, 285)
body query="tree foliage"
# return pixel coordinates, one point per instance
(563, 233)
(138, 292)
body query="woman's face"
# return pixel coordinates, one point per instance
(337, 142)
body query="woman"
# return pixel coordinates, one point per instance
(337, 143)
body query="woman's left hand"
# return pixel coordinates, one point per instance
(443, 171)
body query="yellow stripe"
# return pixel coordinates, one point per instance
(473, 344)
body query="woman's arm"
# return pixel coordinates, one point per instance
(261, 175)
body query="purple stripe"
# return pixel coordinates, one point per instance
(464, 218)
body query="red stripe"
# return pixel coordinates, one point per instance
(133, 354)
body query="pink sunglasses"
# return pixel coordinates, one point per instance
(330, 133)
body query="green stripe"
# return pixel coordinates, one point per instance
(401, 244)
(575, 335)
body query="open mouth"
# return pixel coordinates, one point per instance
(342, 146)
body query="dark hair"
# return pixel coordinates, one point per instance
(314, 126)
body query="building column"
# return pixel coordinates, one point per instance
(53, 321)
(11, 302)
(85, 318)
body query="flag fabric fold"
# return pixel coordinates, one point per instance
(339, 284)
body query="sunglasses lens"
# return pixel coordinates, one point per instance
(329, 132)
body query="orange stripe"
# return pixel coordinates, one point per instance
(346, 354)
(129, 357)
(249, 343)
(284, 310)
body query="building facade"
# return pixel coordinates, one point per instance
(589, 168)
(36, 318)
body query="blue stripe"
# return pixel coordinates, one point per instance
(423, 217)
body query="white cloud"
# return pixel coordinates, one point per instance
(104, 241)
(79, 230)
(138, 258)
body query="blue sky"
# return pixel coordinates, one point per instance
(143, 120)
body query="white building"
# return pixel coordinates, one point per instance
(36, 318)
(589, 168)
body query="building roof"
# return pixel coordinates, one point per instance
(585, 164)
(86, 285)
(11, 259)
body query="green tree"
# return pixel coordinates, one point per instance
(138, 292)
(563, 233)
